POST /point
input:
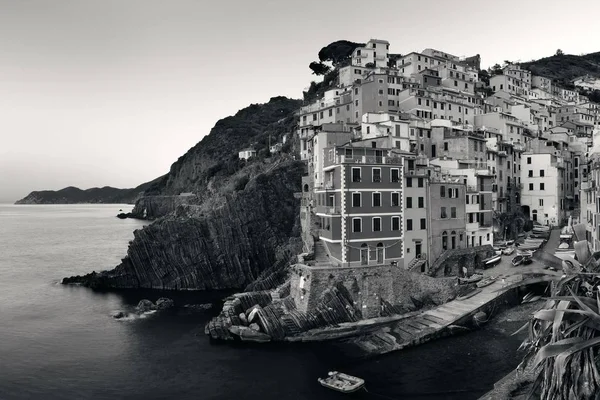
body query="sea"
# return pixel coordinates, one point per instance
(61, 342)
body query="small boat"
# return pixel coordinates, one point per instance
(469, 295)
(471, 279)
(488, 262)
(518, 260)
(342, 382)
(528, 253)
(540, 228)
(527, 260)
(508, 251)
(486, 282)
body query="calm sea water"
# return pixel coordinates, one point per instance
(60, 342)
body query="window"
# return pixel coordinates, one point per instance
(528, 160)
(423, 224)
(530, 173)
(331, 112)
(395, 199)
(420, 182)
(442, 191)
(376, 174)
(541, 172)
(467, 199)
(408, 182)
(356, 224)
(453, 212)
(355, 174)
(409, 202)
(531, 186)
(395, 175)
(376, 199)
(450, 193)
(445, 146)
(421, 202)
(443, 213)
(541, 202)
(376, 224)
(409, 224)
(395, 223)
(542, 186)
(356, 199)
(445, 240)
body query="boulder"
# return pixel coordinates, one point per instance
(145, 306)
(243, 319)
(163, 303)
(253, 313)
(199, 307)
(255, 327)
(119, 315)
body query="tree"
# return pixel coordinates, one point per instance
(339, 51)
(497, 69)
(594, 96)
(559, 53)
(484, 76)
(318, 68)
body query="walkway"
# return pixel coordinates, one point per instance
(382, 335)
(433, 323)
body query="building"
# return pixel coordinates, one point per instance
(247, 153)
(542, 197)
(447, 215)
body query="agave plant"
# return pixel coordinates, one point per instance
(563, 345)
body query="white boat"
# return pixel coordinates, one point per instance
(342, 382)
(528, 253)
(488, 262)
(508, 251)
(541, 228)
(472, 279)
(486, 282)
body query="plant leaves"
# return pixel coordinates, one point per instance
(554, 349)
(558, 318)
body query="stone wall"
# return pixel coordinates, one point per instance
(370, 287)
(451, 262)
(153, 207)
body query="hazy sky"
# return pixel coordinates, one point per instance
(111, 92)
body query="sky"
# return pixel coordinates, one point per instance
(112, 92)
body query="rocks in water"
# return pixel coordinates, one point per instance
(145, 306)
(243, 319)
(163, 303)
(248, 334)
(124, 215)
(120, 315)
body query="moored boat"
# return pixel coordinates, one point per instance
(488, 262)
(508, 251)
(471, 279)
(486, 282)
(518, 260)
(342, 382)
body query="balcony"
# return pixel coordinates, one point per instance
(331, 210)
(363, 160)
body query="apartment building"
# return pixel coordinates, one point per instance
(375, 52)
(360, 210)
(447, 215)
(542, 198)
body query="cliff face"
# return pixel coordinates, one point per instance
(73, 195)
(226, 242)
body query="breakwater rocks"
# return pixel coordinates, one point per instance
(278, 317)
(234, 240)
(276, 312)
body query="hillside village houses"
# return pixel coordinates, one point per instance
(408, 159)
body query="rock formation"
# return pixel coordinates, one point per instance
(227, 242)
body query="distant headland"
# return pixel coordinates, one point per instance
(74, 195)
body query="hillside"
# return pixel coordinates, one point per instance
(240, 227)
(215, 157)
(74, 195)
(563, 68)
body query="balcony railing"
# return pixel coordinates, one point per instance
(364, 160)
(332, 210)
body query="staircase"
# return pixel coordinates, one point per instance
(416, 264)
(321, 254)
